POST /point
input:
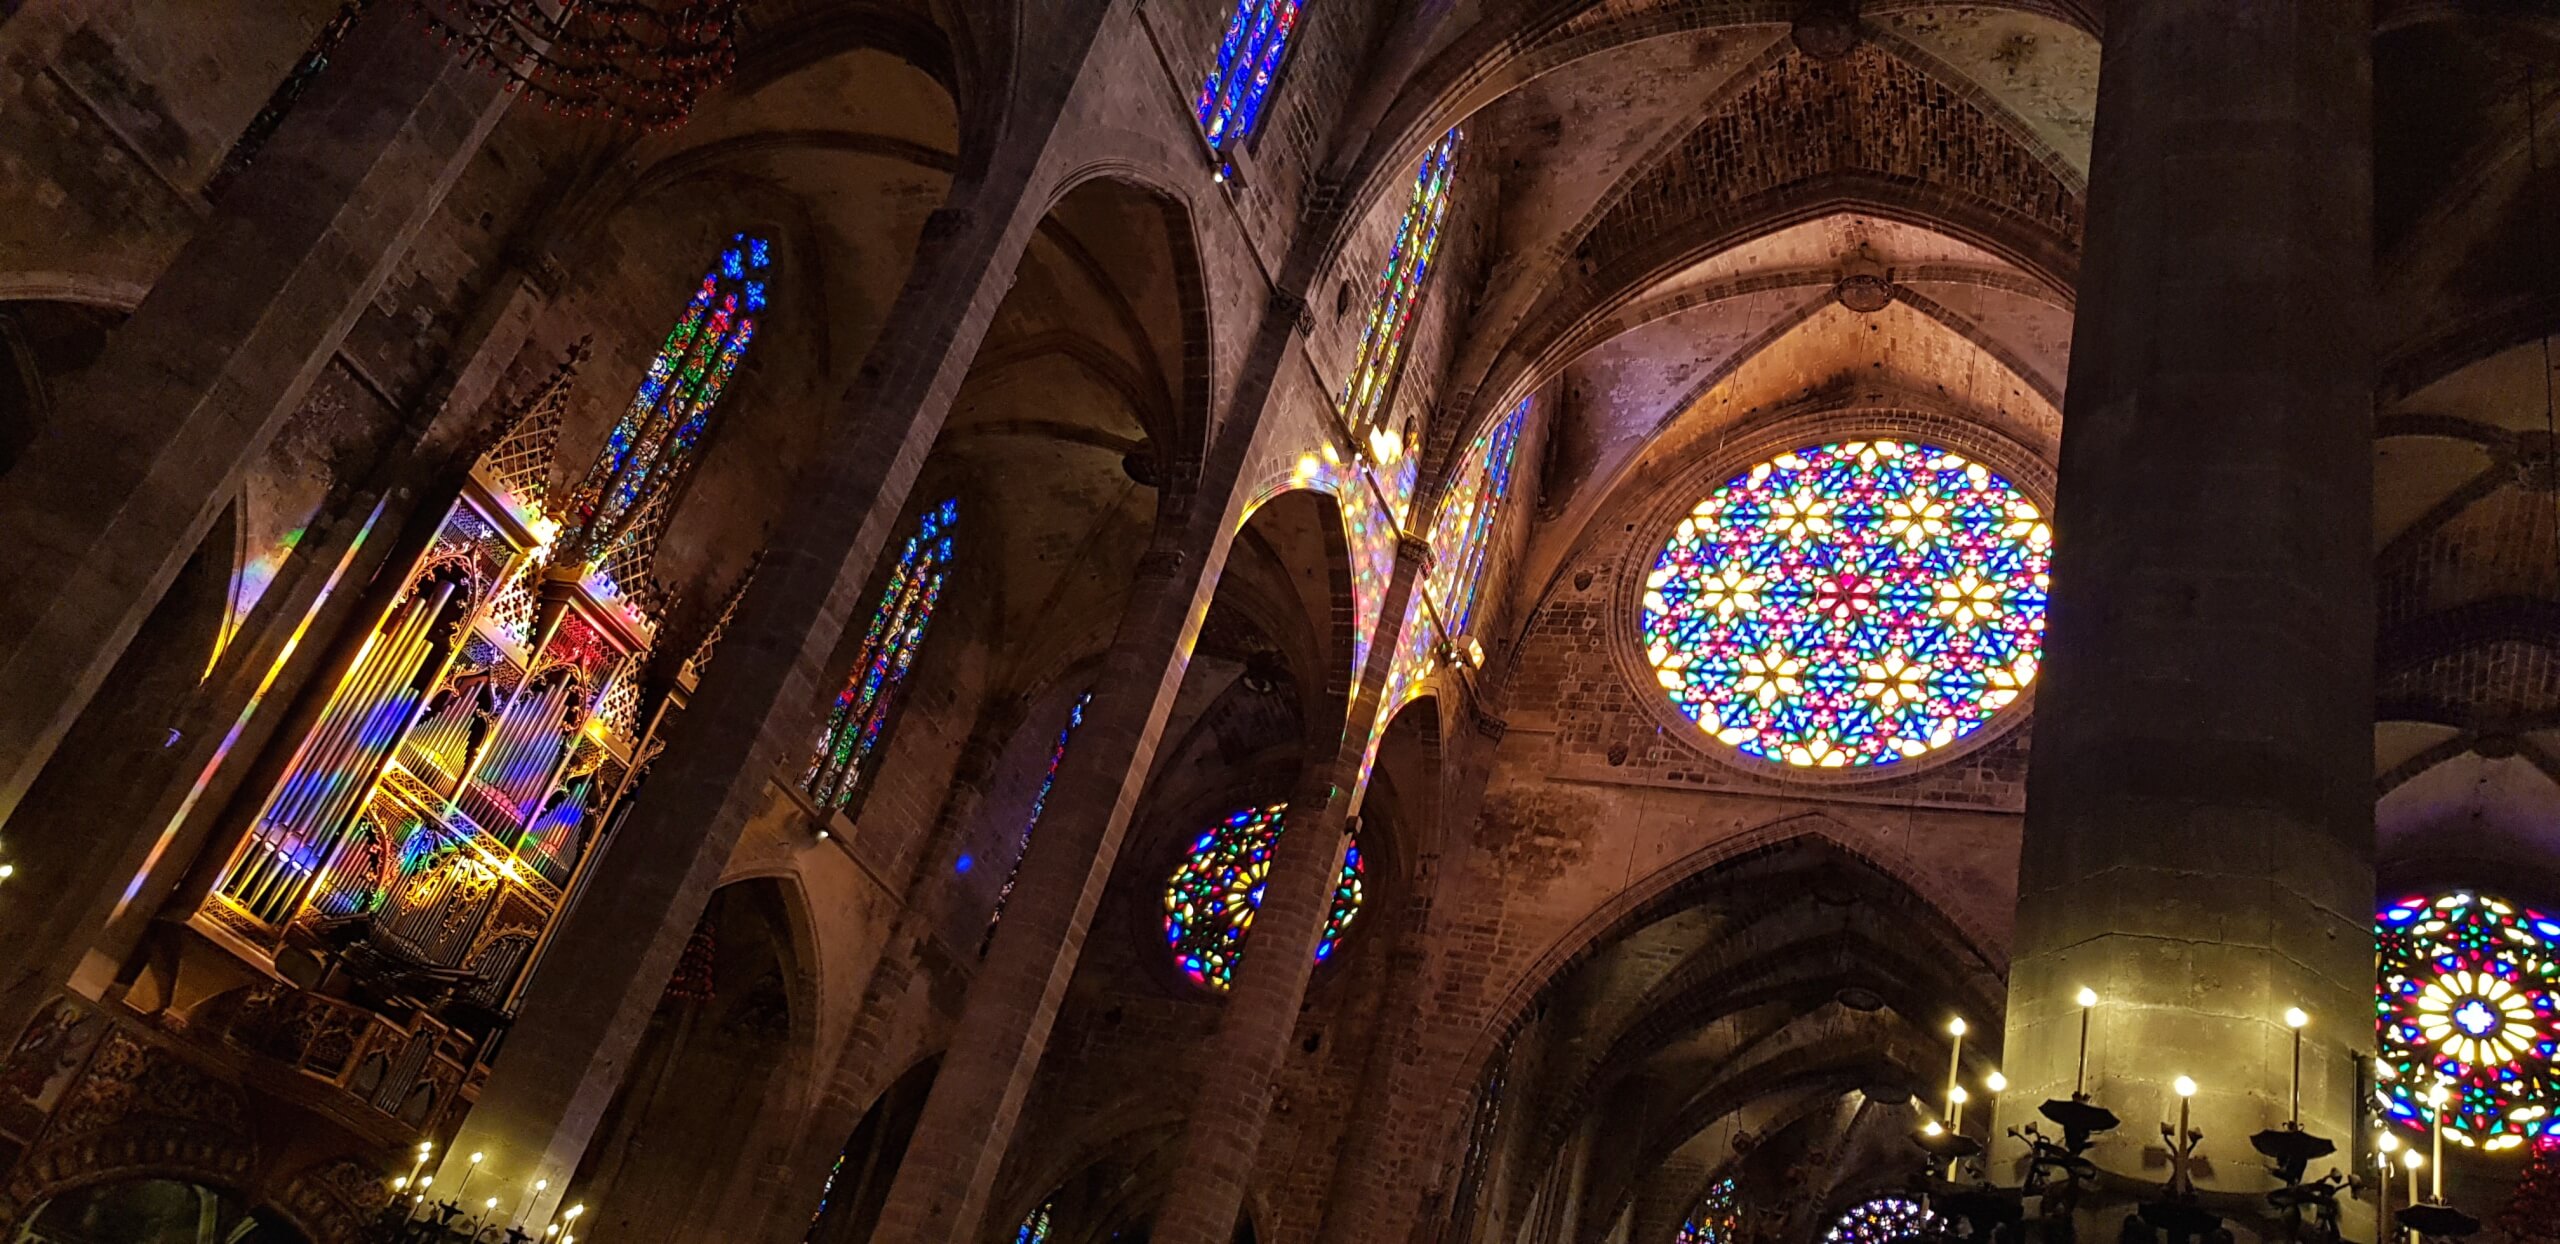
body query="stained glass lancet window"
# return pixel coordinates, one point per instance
(1850, 605)
(1039, 804)
(1400, 286)
(1714, 1220)
(1249, 61)
(661, 432)
(1462, 535)
(889, 646)
(1209, 903)
(1884, 1220)
(2468, 993)
(1035, 1226)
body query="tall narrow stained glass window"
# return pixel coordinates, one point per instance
(1035, 1226)
(1039, 804)
(1249, 61)
(1210, 901)
(1401, 285)
(659, 436)
(1462, 536)
(862, 710)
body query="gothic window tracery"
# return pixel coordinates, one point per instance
(862, 712)
(2469, 998)
(1850, 605)
(1400, 288)
(1211, 899)
(1884, 1220)
(1250, 58)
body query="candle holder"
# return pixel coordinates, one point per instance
(2439, 1222)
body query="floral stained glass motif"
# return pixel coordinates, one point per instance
(1039, 804)
(1249, 60)
(1463, 533)
(1850, 605)
(1400, 287)
(1209, 903)
(1714, 1221)
(1885, 1220)
(825, 1195)
(662, 430)
(2467, 999)
(1035, 1226)
(862, 710)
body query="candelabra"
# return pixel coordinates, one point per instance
(2060, 1176)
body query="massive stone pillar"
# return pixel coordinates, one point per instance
(941, 1190)
(1260, 1017)
(2199, 837)
(115, 493)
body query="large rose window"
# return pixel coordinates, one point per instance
(1850, 605)
(2467, 1002)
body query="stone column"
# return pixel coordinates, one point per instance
(595, 986)
(112, 497)
(1260, 1018)
(783, 1188)
(2199, 835)
(950, 1167)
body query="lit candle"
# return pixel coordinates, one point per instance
(2088, 1007)
(2413, 1160)
(1956, 1098)
(425, 1147)
(2387, 1143)
(2437, 1098)
(525, 1206)
(467, 1173)
(2296, 1019)
(1955, 1067)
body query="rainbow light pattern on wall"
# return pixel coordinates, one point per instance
(1716, 1216)
(1850, 605)
(2467, 995)
(662, 430)
(1249, 60)
(1039, 804)
(1884, 1220)
(1401, 284)
(1209, 903)
(860, 718)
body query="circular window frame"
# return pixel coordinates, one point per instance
(1650, 523)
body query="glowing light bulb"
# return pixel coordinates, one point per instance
(2186, 1086)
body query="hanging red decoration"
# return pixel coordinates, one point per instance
(640, 62)
(2533, 1215)
(692, 981)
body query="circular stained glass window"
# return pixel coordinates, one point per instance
(1884, 1220)
(1209, 903)
(2467, 1001)
(1715, 1218)
(1850, 605)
